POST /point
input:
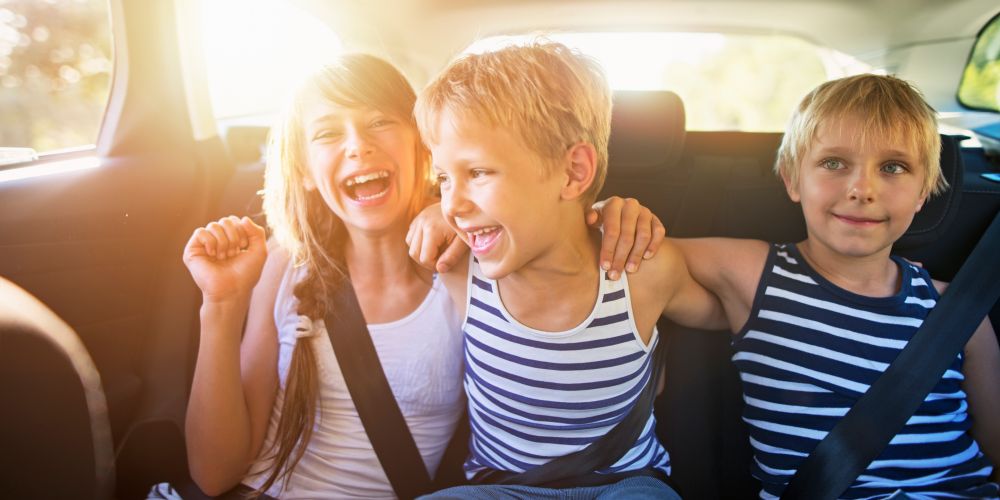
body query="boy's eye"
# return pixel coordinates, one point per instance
(894, 168)
(442, 178)
(832, 164)
(478, 172)
(380, 122)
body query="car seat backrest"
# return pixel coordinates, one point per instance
(54, 428)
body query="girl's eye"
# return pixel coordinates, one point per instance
(478, 172)
(442, 178)
(832, 164)
(326, 134)
(380, 122)
(894, 168)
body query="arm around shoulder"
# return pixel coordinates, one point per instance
(728, 268)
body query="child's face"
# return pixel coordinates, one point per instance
(857, 201)
(496, 193)
(363, 163)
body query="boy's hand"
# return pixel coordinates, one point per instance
(631, 233)
(433, 243)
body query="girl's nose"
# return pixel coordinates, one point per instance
(358, 146)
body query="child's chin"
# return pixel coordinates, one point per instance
(493, 270)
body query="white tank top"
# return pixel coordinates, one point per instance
(421, 355)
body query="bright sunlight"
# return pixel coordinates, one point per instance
(256, 49)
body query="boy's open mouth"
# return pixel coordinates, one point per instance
(368, 187)
(482, 239)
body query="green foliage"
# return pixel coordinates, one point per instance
(752, 84)
(55, 67)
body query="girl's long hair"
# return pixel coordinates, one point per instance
(314, 237)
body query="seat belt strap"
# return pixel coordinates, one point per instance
(380, 414)
(880, 413)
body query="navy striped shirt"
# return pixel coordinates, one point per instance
(807, 353)
(535, 396)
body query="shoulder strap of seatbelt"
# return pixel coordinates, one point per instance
(880, 413)
(380, 414)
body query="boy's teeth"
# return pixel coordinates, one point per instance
(479, 232)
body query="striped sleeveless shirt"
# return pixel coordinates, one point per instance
(535, 396)
(807, 353)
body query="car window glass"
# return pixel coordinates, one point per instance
(727, 81)
(254, 57)
(980, 87)
(55, 75)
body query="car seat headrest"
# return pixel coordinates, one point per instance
(934, 218)
(647, 131)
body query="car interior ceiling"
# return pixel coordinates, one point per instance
(102, 249)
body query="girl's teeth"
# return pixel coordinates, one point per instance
(361, 179)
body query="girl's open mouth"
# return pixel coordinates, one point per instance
(368, 188)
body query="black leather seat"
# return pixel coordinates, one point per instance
(54, 432)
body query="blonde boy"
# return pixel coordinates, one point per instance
(817, 322)
(519, 140)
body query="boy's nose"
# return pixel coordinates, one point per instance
(862, 187)
(454, 203)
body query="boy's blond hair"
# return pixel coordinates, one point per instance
(888, 109)
(549, 95)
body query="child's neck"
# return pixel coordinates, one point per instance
(874, 275)
(388, 284)
(556, 291)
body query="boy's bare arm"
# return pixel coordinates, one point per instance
(982, 374)
(729, 268)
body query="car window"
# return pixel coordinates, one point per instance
(980, 87)
(253, 58)
(55, 75)
(727, 81)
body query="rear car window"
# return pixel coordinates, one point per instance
(254, 58)
(980, 87)
(55, 75)
(743, 82)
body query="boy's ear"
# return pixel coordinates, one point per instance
(921, 201)
(581, 167)
(791, 188)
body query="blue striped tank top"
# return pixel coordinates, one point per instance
(535, 396)
(807, 353)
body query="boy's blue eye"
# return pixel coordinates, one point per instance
(832, 164)
(894, 168)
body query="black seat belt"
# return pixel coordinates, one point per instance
(394, 446)
(880, 413)
(380, 414)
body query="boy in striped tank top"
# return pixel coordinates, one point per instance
(819, 321)
(556, 353)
